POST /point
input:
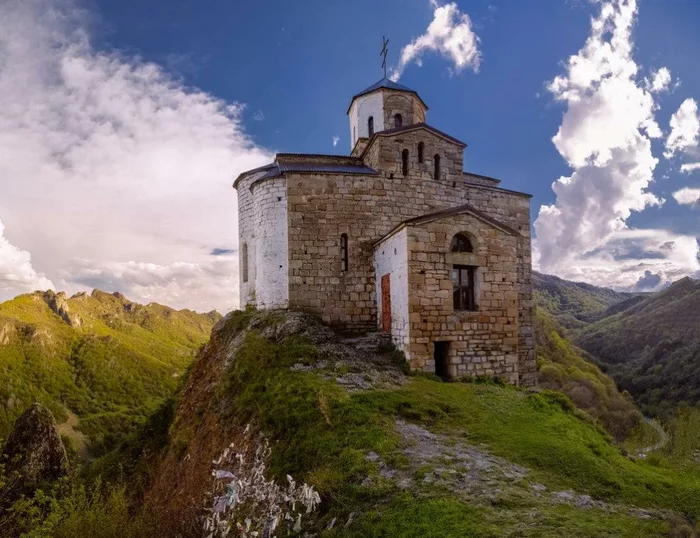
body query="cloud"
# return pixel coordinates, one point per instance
(336, 139)
(258, 115)
(450, 33)
(687, 196)
(222, 251)
(690, 167)
(111, 165)
(17, 274)
(685, 129)
(605, 137)
(647, 282)
(660, 80)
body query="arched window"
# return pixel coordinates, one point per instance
(398, 121)
(354, 135)
(461, 243)
(344, 251)
(421, 149)
(370, 125)
(244, 261)
(404, 162)
(436, 162)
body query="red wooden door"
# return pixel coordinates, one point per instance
(386, 303)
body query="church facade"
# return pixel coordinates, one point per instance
(395, 236)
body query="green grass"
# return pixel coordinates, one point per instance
(325, 443)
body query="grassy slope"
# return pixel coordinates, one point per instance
(321, 433)
(111, 372)
(562, 367)
(652, 348)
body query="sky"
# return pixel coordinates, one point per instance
(123, 125)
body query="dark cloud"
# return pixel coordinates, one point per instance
(647, 282)
(222, 252)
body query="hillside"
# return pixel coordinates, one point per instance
(99, 362)
(652, 347)
(278, 407)
(574, 304)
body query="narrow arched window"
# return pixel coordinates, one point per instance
(370, 125)
(461, 243)
(354, 135)
(344, 251)
(244, 261)
(404, 162)
(421, 149)
(398, 121)
(436, 162)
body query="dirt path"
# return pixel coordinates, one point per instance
(80, 439)
(663, 438)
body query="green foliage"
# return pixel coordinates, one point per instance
(652, 347)
(562, 368)
(112, 372)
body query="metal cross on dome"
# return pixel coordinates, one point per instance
(384, 52)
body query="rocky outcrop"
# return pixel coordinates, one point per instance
(59, 304)
(34, 454)
(6, 330)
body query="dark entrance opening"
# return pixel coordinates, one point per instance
(442, 360)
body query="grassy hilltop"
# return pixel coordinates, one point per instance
(99, 362)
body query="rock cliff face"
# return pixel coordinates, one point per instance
(34, 453)
(59, 304)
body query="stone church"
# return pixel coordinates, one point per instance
(395, 236)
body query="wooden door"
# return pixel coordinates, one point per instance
(386, 303)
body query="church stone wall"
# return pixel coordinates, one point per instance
(483, 341)
(391, 257)
(271, 238)
(246, 236)
(402, 103)
(385, 155)
(323, 206)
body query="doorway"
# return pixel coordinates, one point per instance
(386, 303)
(442, 360)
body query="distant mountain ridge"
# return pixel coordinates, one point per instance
(574, 303)
(99, 358)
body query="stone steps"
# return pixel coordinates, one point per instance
(372, 342)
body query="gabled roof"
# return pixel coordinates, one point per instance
(415, 126)
(389, 85)
(450, 212)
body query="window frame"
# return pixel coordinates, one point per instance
(370, 126)
(398, 120)
(404, 162)
(460, 301)
(421, 151)
(344, 252)
(244, 262)
(436, 166)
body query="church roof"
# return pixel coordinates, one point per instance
(389, 85)
(449, 212)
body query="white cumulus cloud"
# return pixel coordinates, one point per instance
(110, 167)
(687, 196)
(690, 167)
(685, 129)
(16, 271)
(660, 80)
(605, 137)
(450, 34)
(336, 139)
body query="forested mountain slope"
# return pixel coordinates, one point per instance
(574, 303)
(652, 347)
(99, 362)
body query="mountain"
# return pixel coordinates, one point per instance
(99, 362)
(574, 304)
(651, 347)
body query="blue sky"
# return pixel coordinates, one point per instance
(288, 70)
